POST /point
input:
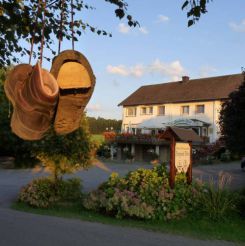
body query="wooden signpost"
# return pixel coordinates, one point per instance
(180, 152)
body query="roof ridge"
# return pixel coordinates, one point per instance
(175, 82)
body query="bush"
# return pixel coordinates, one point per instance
(44, 192)
(215, 200)
(104, 151)
(143, 194)
(241, 203)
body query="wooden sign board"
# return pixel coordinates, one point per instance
(182, 157)
(180, 161)
(180, 152)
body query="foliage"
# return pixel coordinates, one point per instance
(68, 153)
(10, 144)
(73, 150)
(109, 135)
(23, 20)
(143, 194)
(241, 203)
(232, 120)
(104, 151)
(207, 152)
(215, 200)
(44, 192)
(195, 9)
(100, 125)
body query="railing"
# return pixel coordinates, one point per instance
(138, 139)
(112, 137)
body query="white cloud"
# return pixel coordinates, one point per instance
(162, 18)
(238, 27)
(206, 71)
(173, 70)
(135, 71)
(143, 30)
(120, 70)
(123, 28)
(94, 107)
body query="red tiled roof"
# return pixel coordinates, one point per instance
(203, 89)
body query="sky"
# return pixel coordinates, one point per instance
(162, 49)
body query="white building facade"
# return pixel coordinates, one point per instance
(194, 104)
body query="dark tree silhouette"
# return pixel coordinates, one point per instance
(232, 120)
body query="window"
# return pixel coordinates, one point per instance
(143, 110)
(185, 110)
(200, 109)
(146, 110)
(150, 110)
(131, 111)
(161, 110)
(204, 132)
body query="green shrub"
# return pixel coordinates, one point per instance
(143, 194)
(70, 190)
(44, 192)
(241, 203)
(215, 200)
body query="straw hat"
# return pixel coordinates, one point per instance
(34, 97)
(76, 82)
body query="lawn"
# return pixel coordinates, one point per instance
(99, 138)
(229, 230)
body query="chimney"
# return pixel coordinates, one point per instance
(185, 79)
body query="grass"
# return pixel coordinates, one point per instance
(98, 138)
(228, 230)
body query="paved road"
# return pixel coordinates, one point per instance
(19, 228)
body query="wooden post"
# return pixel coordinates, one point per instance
(172, 163)
(189, 171)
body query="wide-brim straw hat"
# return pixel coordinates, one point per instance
(34, 104)
(16, 78)
(76, 82)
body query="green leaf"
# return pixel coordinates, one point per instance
(190, 23)
(185, 4)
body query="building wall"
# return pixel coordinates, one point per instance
(173, 112)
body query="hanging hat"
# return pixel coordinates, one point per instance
(16, 78)
(34, 104)
(76, 82)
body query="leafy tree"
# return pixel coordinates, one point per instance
(232, 120)
(195, 8)
(24, 19)
(10, 144)
(61, 154)
(68, 152)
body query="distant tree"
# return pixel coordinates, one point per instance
(232, 120)
(100, 125)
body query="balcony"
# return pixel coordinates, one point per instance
(127, 138)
